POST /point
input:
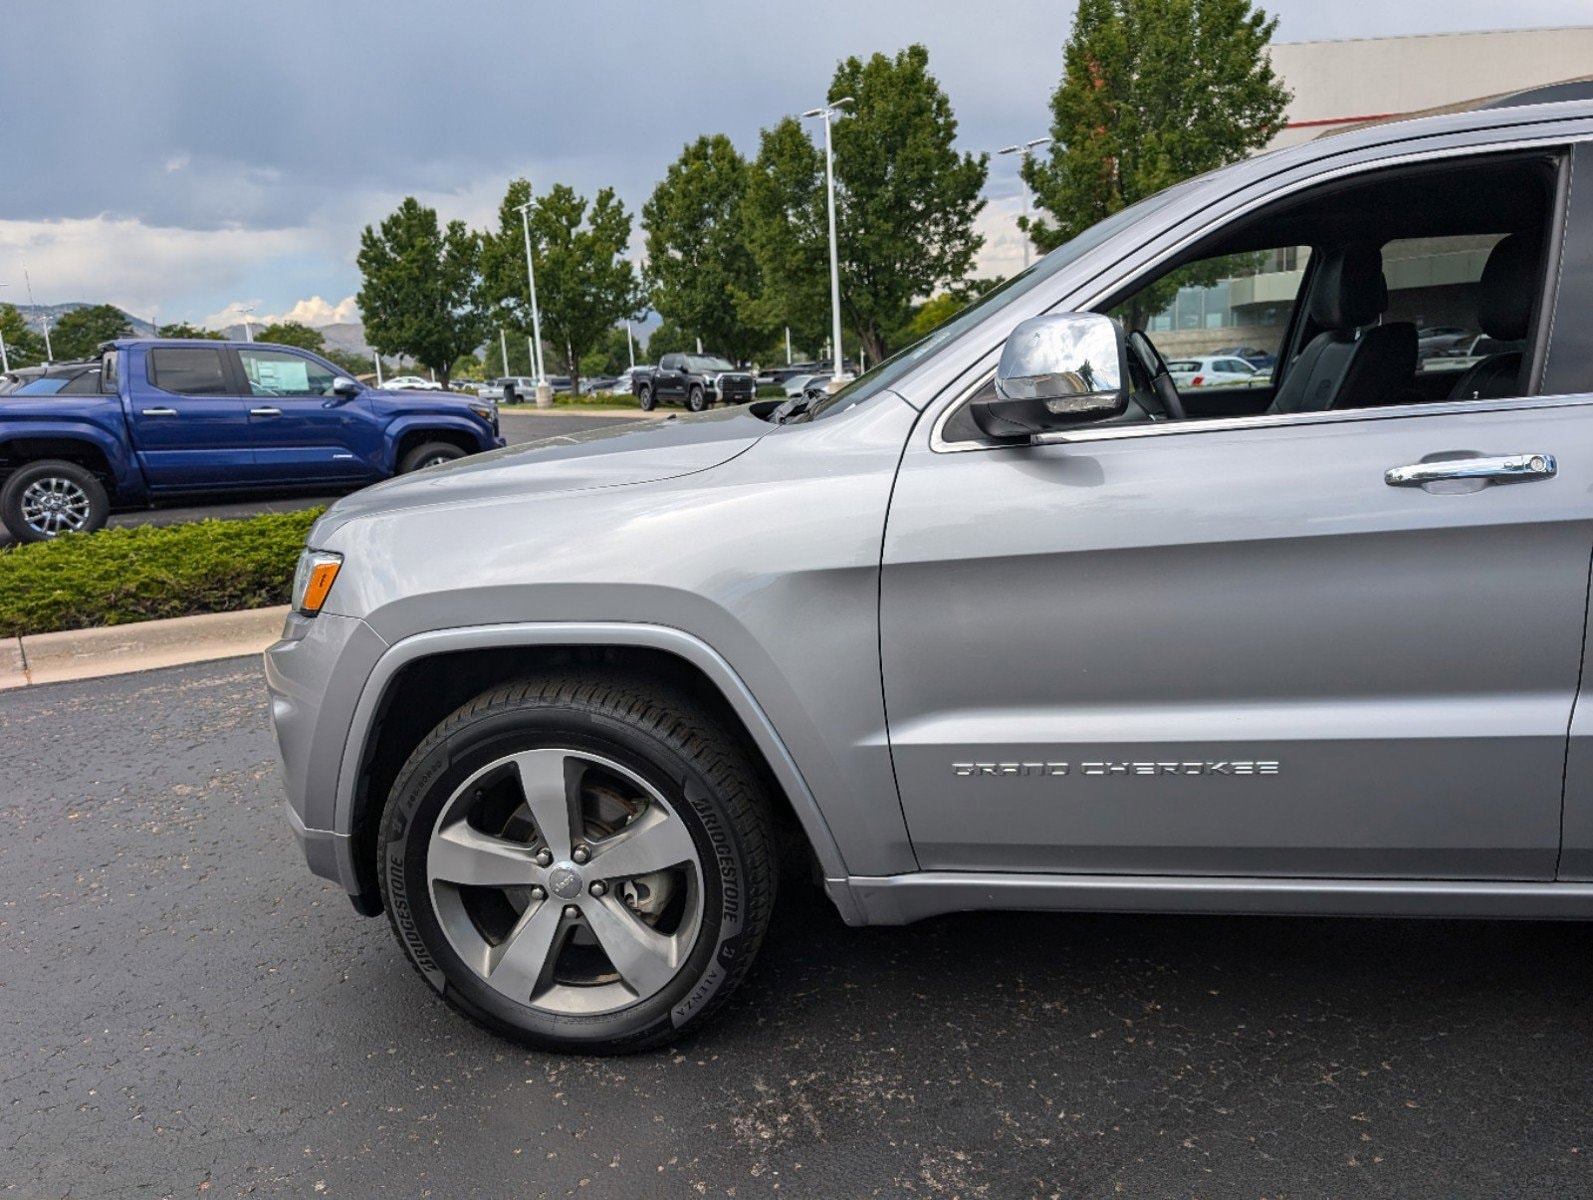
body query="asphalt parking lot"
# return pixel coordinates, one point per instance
(187, 1012)
(517, 427)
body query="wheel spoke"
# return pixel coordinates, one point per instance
(522, 965)
(551, 781)
(653, 841)
(644, 957)
(460, 854)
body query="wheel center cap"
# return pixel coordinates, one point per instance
(564, 880)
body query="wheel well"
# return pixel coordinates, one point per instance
(417, 437)
(19, 451)
(426, 691)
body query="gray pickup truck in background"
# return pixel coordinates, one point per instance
(1009, 622)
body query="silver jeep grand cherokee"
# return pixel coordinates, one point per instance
(1010, 622)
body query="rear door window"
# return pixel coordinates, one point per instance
(189, 371)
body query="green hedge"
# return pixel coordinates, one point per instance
(121, 575)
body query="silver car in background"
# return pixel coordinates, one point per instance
(1012, 621)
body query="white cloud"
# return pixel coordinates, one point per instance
(138, 267)
(313, 312)
(177, 162)
(1002, 253)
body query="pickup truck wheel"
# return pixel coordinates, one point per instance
(579, 863)
(695, 399)
(646, 397)
(42, 500)
(429, 454)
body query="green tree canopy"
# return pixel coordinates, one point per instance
(906, 201)
(78, 334)
(182, 329)
(24, 344)
(584, 281)
(1152, 92)
(293, 333)
(702, 272)
(421, 295)
(668, 338)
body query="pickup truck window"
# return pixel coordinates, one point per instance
(277, 373)
(189, 371)
(706, 364)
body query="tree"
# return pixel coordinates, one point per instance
(78, 334)
(421, 294)
(668, 338)
(787, 230)
(1152, 92)
(347, 360)
(182, 329)
(293, 333)
(584, 281)
(702, 272)
(905, 199)
(24, 344)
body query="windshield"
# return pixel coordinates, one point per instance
(878, 378)
(710, 363)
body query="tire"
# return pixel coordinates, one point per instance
(44, 499)
(695, 399)
(544, 968)
(646, 397)
(429, 454)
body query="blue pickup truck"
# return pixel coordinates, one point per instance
(153, 419)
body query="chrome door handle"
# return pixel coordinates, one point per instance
(158, 412)
(1504, 466)
(265, 412)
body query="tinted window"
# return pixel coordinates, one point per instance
(189, 371)
(670, 362)
(87, 383)
(42, 387)
(278, 373)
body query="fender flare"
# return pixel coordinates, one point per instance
(399, 426)
(656, 637)
(116, 452)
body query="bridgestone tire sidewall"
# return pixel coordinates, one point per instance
(425, 786)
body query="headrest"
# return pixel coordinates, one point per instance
(1509, 281)
(1349, 291)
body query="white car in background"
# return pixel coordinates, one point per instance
(1214, 370)
(412, 383)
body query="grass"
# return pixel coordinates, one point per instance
(118, 576)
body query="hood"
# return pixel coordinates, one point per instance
(634, 452)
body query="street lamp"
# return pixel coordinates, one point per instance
(544, 392)
(5, 363)
(828, 112)
(49, 354)
(1026, 149)
(248, 326)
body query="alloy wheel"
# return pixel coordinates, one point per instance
(54, 504)
(565, 881)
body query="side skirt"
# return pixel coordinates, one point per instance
(902, 899)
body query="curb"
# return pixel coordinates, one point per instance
(142, 646)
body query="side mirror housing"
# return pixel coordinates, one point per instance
(345, 387)
(1056, 371)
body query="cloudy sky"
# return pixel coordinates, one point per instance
(181, 158)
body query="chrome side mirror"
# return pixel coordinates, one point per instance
(1056, 370)
(345, 387)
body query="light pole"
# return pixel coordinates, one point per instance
(1026, 149)
(49, 354)
(828, 113)
(630, 343)
(248, 326)
(376, 357)
(544, 392)
(503, 344)
(5, 363)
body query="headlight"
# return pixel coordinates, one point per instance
(313, 580)
(485, 411)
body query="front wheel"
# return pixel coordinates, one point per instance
(579, 863)
(696, 400)
(429, 454)
(42, 500)
(646, 397)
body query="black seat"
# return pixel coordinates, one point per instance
(1504, 311)
(1352, 363)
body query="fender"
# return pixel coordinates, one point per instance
(399, 426)
(126, 478)
(657, 637)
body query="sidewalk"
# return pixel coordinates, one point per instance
(143, 646)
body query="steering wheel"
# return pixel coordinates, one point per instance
(1150, 361)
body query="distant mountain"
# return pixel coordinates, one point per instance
(54, 312)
